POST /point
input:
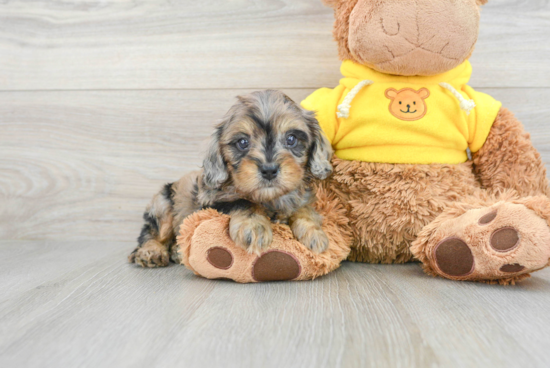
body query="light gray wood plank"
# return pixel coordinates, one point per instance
(30, 264)
(107, 313)
(191, 44)
(509, 51)
(83, 165)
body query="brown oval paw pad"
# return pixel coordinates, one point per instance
(276, 266)
(220, 258)
(488, 218)
(510, 268)
(454, 257)
(505, 239)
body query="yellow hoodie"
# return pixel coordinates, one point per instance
(376, 117)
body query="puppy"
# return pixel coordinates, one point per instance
(259, 169)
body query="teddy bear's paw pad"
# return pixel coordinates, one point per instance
(512, 268)
(454, 257)
(276, 266)
(488, 218)
(220, 258)
(505, 239)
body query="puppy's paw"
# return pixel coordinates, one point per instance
(313, 237)
(253, 233)
(151, 254)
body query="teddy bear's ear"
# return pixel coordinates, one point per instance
(481, 2)
(391, 93)
(424, 93)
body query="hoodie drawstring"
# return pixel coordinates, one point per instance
(345, 106)
(466, 105)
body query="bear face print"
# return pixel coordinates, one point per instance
(408, 104)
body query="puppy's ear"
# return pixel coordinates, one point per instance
(320, 152)
(215, 170)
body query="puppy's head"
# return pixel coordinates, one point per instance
(268, 145)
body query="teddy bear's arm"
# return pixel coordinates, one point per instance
(508, 159)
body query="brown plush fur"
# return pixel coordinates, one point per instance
(390, 204)
(508, 159)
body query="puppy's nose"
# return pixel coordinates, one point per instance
(269, 171)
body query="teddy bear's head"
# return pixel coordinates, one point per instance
(406, 37)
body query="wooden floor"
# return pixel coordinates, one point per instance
(101, 102)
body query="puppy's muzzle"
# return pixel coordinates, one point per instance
(269, 171)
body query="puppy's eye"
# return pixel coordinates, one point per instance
(291, 141)
(243, 144)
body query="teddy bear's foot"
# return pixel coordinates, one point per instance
(498, 244)
(205, 247)
(214, 255)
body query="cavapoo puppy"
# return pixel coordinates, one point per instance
(259, 169)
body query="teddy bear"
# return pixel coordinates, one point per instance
(425, 169)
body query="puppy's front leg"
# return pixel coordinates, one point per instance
(250, 229)
(157, 234)
(306, 226)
